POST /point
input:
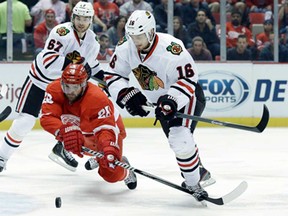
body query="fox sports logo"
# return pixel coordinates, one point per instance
(223, 90)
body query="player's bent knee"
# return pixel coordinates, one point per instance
(181, 141)
(22, 125)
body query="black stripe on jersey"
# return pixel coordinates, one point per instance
(30, 72)
(10, 144)
(190, 170)
(188, 159)
(46, 67)
(182, 91)
(48, 53)
(95, 66)
(190, 81)
(41, 74)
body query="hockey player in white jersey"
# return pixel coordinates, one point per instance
(168, 77)
(68, 42)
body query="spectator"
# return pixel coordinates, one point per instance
(283, 17)
(232, 5)
(42, 31)
(104, 53)
(192, 8)
(259, 6)
(263, 37)
(214, 6)
(234, 29)
(107, 12)
(38, 11)
(198, 50)
(21, 19)
(267, 53)
(69, 7)
(117, 31)
(132, 5)
(240, 52)
(204, 28)
(179, 30)
(160, 14)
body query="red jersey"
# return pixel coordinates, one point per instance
(232, 34)
(93, 113)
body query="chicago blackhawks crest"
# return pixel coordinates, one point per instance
(121, 41)
(62, 31)
(174, 48)
(147, 79)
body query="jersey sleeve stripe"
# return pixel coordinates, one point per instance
(40, 74)
(49, 58)
(182, 91)
(191, 90)
(47, 66)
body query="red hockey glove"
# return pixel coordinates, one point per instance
(111, 154)
(166, 108)
(72, 138)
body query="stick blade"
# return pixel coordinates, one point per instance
(5, 113)
(264, 120)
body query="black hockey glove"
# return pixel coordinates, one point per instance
(166, 107)
(88, 70)
(132, 99)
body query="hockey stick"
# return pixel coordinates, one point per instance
(258, 129)
(5, 113)
(240, 189)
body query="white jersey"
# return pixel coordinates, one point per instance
(63, 40)
(168, 68)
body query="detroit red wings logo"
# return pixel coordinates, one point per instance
(62, 31)
(147, 79)
(174, 48)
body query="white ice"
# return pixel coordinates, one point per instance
(31, 181)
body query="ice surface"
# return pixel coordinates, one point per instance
(32, 181)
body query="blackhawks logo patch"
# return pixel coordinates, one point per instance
(62, 31)
(174, 48)
(122, 40)
(147, 79)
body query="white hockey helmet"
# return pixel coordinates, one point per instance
(83, 9)
(139, 22)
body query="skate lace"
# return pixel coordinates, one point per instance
(130, 178)
(93, 163)
(68, 155)
(2, 163)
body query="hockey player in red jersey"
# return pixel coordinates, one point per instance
(78, 114)
(68, 42)
(168, 77)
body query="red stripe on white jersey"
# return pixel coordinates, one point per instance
(23, 96)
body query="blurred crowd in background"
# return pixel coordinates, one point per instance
(249, 26)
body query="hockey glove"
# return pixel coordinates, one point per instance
(72, 138)
(111, 154)
(166, 108)
(132, 99)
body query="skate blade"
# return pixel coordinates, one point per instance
(61, 162)
(207, 182)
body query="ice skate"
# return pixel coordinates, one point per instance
(62, 157)
(91, 164)
(131, 179)
(205, 177)
(3, 162)
(198, 192)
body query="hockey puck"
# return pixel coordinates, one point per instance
(58, 202)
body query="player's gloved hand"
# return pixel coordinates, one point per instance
(72, 138)
(75, 57)
(166, 107)
(88, 70)
(132, 99)
(111, 154)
